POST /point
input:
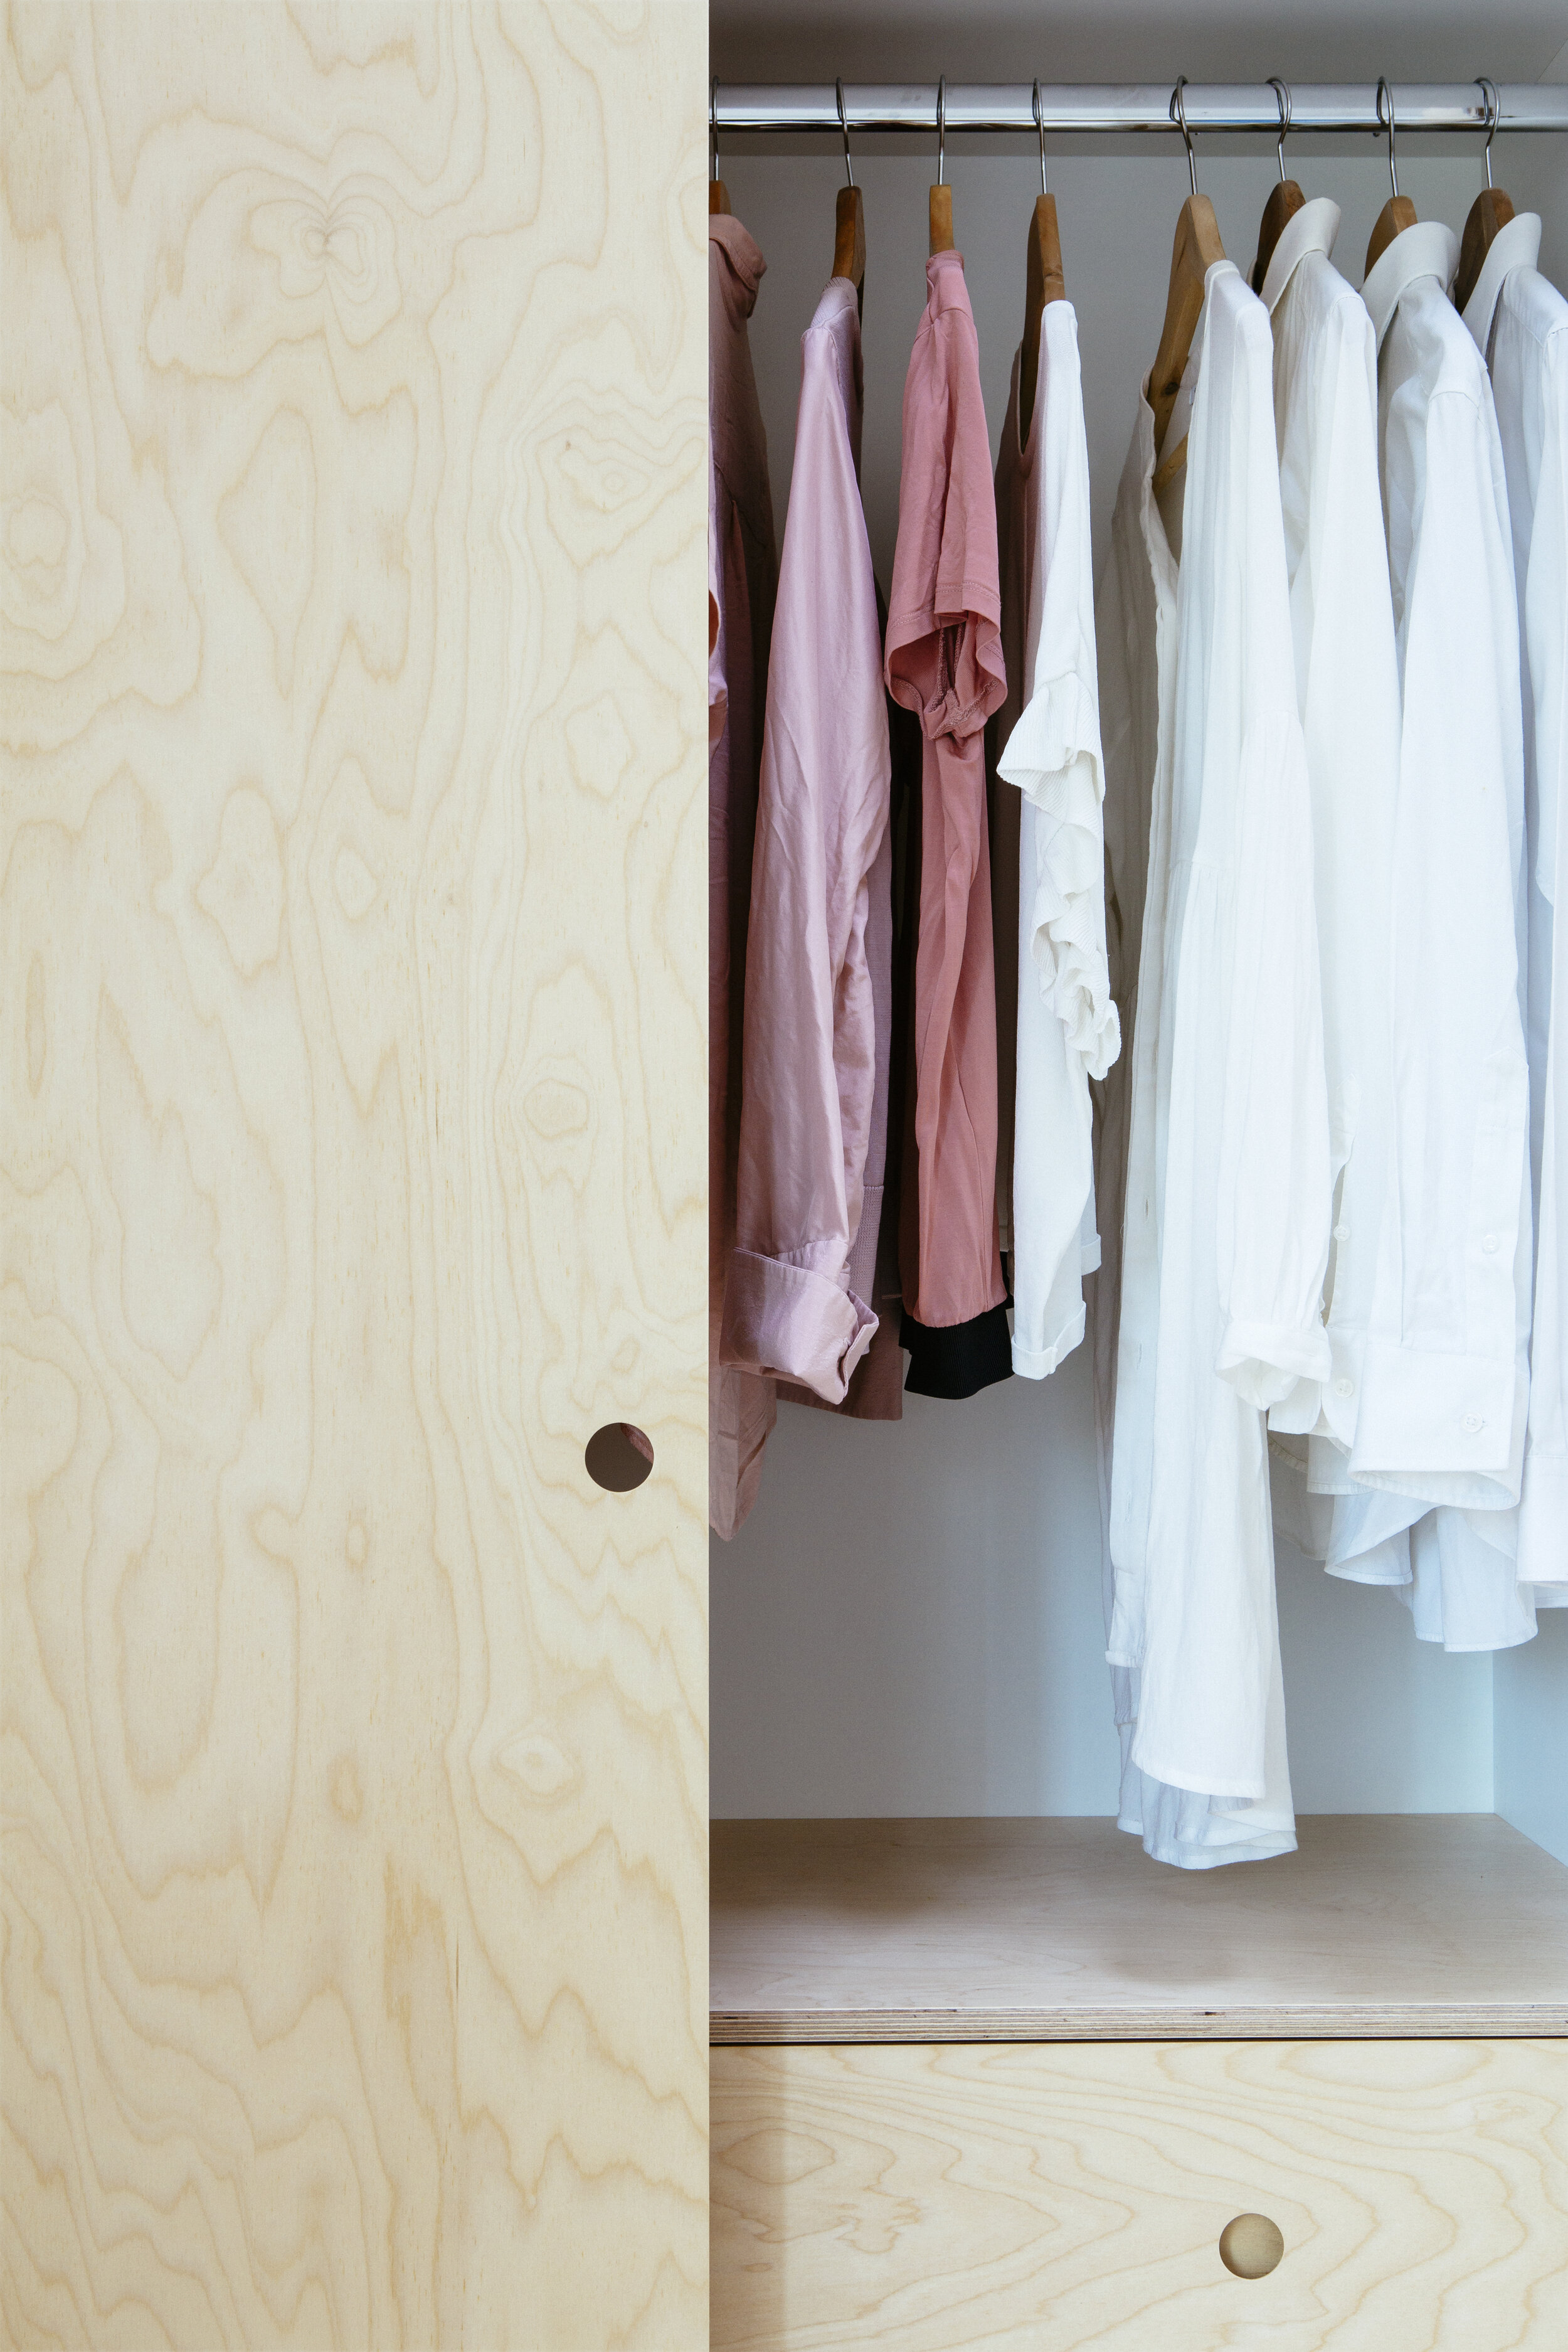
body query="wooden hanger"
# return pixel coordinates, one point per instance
(848, 223)
(1398, 213)
(1285, 199)
(717, 194)
(1197, 249)
(941, 214)
(1044, 282)
(1492, 210)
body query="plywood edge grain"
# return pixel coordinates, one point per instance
(1418, 2021)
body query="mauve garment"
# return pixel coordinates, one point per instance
(876, 1385)
(815, 1060)
(741, 1409)
(944, 663)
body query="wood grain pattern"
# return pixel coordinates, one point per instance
(1053, 2200)
(1044, 1930)
(352, 534)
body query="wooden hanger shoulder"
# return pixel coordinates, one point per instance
(1196, 249)
(848, 238)
(718, 197)
(941, 218)
(1492, 210)
(1045, 282)
(1285, 199)
(1397, 215)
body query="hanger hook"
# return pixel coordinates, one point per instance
(1039, 126)
(1178, 114)
(1281, 90)
(713, 128)
(941, 129)
(843, 126)
(1488, 88)
(1386, 123)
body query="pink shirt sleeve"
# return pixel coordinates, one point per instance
(810, 1051)
(945, 662)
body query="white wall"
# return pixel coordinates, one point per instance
(911, 1623)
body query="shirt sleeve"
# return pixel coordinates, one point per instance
(1273, 1192)
(943, 633)
(1068, 1027)
(944, 663)
(1439, 1392)
(810, 1050)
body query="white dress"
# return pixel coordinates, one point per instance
(1226, 1227)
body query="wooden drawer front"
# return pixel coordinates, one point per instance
(1052, 2196)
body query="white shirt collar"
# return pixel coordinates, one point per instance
(1428, 249)
(1516, 246)
(1312, 230)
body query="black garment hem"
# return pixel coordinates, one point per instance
(958, 1360)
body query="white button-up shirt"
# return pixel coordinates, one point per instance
(1445, 1387)
(1226, 1219)
(1067, 1030)
(1342, 623)
(1520, 323)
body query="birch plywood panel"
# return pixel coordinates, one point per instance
(353, 523)
(1054, 2200)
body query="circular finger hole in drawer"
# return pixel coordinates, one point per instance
(1251, 2245)
(618, 1456)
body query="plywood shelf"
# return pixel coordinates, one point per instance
(1387, 1926)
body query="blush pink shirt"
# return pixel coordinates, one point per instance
(816, 1041)
(743, 570)
(944, 663)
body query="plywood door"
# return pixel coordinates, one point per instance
(1071, 2198)
(352, 974)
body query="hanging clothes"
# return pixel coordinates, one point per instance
(944, 662)
(1519, 323)
(1067, 1028)
(743, 574)
(1342, 627)
(875, 1391)
(1226, 1212)
(1445, 1383)
(819, 948)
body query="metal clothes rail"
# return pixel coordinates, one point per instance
(1118, 107)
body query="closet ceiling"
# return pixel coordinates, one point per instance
(1137, 41)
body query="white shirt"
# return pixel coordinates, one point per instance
(1342, 625)
(1445, 1386)
(1136, 615)
(1226, 1234)
(1520, 323)
(1067, 1029)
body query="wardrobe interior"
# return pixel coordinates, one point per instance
(910, 1623)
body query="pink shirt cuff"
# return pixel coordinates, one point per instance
(797, 1324)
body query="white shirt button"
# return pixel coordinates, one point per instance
(1344, 1388)
(1341, 1232)
(1473, 1420)
(1488, 1242)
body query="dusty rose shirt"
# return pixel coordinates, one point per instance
(944, 663)
(743, 569)
(815, 1059)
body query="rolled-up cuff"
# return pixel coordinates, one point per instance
(793, 1323)
(1262, 1362)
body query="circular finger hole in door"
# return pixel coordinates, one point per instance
(618, 1456)
(1251, 2245)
